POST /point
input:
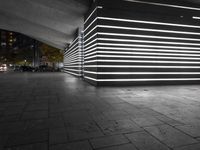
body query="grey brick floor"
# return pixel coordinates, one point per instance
(56, 111)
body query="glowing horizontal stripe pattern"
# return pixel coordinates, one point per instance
(73, 59)
(125, 48)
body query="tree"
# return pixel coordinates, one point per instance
(53, 55)
(19, 56)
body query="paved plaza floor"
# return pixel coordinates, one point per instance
(56, 111)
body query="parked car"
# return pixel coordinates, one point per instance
(3, 67)
(44, 68)
(26, 69)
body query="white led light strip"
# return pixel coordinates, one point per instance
(73, 70)
(143, 29)
(146, 50)
(85, 41)
(140, 66)
(142, 73)
(142, 61)
(147, 29)
(143, 53)
(116, 49)
(72, 73)
(98, 7)
(154, 57)
(86, 45)
(147, 36)
(148, 41)
(72, 53)
(148, 22)
(69, 64)
(128, 80)
(152, 46)
(166, 5)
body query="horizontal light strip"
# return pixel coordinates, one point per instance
(89, 38)
(140, 66)
(195, 17)
(98, 7)
(90, 24)
(147, 36)
(72, 73)
(142, 61)
(74, 66)
(89, 48)
(155, 57)
(147, 29)
(73, 70)
(88, 52)
(79, 37)
(128, 80)
(90, 31)
(146, 50)
(142, 53)
(142, 73)
(73, 53)
(72, 49)
(166, 5)
(148, 22)
(85, 46)
(148, 41)
(152, 46)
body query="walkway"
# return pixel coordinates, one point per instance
(55, 111)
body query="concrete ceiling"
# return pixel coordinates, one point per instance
(50, 21)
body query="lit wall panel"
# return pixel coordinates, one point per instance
(131, 42)
(73, 57)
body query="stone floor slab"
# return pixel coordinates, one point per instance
(57, 108)
(144, 141)
(170, 136)
(107, 141)
(83, 145)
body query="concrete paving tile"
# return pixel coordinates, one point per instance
(31, 115)
(3, 140)
(13, 110)
(120, 147)
(83, 131)
(147, 121)
(169, 121)
(83, 145)
(118, 126)
(9, 118)
(36, 106)
(144, 141)
(107, 141)
(27, 137)
(11, 127)
(40, 124)
(170, 136)
(189, 147)
(193, 131)
(57, 100)
(35, 146)
(57, 136)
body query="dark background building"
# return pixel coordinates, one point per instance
(16, 48)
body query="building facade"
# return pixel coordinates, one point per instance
(130, 42)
